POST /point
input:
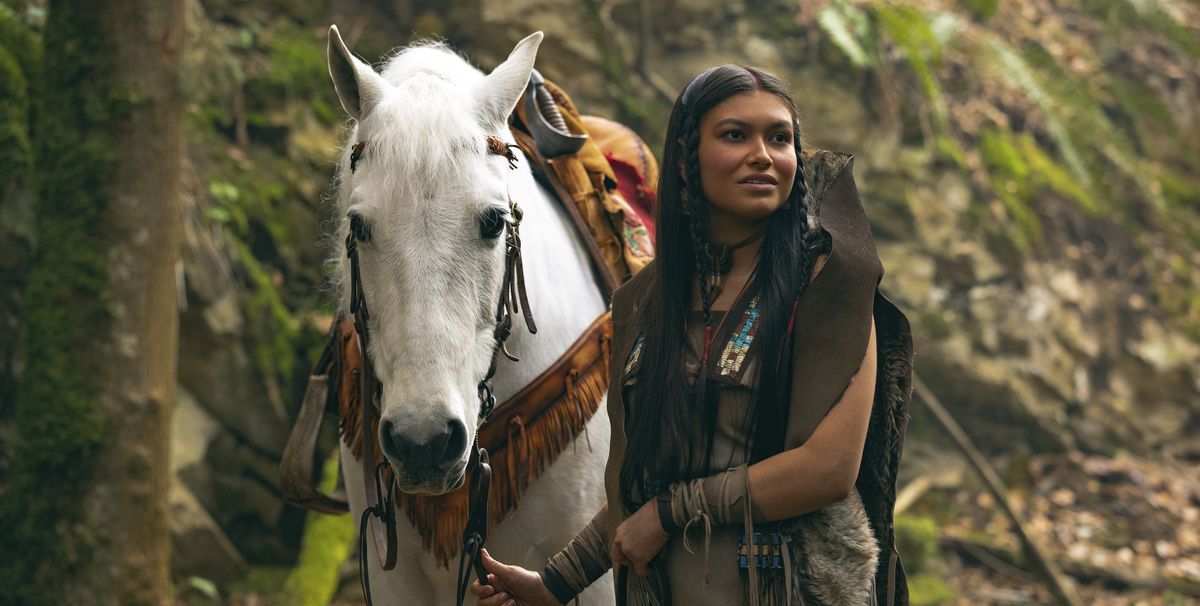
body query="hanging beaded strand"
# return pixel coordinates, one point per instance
(719, 265)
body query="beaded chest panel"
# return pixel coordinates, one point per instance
(732, 361)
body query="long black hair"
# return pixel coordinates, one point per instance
(669, 416)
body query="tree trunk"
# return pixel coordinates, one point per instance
(127, 506)
(87, 503)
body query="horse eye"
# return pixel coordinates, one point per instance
(358, 227)
(491, 223)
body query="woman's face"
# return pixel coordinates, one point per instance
(747, 161)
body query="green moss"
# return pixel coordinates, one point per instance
(934, 324)
(298, 67)
(327, 542)
(1045, 171)
(66, 305)
(928, 590)
(268, 321)
(916, 541)
(19, 50)
(16, 154)
(297, 79)
(1146, 110)
(263, 194)
(263, 580)
(1181, 191)
(1006, 63)
(1011, 184)
(981, 9)
(1084, 108)
(1124, 17)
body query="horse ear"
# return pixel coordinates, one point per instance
(502, 88)
(358, 87)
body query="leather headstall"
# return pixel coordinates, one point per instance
(344, 379)
(380, 513)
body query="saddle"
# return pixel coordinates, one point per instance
(526, 433)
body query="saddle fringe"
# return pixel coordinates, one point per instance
(528, 448)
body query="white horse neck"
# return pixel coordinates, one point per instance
(563, 293)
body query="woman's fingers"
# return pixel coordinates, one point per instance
(481, 591)
(490, 563)
(495, 592)
(500, 573)
(639, 566)
(500, 599)
(618, 556)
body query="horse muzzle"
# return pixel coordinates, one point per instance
(424, 461)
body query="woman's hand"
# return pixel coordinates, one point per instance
(639, 538)
(511, 586)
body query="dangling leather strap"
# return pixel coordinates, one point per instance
(380, 514)
(296, 466)
(475, 533)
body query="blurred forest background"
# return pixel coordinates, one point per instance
(1031, 169)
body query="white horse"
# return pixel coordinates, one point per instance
(426, 188)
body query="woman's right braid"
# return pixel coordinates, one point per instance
(814, 241)
(697, 209)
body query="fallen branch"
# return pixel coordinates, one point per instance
(1080, 570)
(1046, 567)
(912, 492)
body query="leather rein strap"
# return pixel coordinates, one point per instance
(380, 514)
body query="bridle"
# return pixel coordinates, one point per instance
(380, 513)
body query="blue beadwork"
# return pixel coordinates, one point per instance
(635, 355)
(767, 553)
(733, 356)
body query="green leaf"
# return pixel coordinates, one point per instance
(835, 19)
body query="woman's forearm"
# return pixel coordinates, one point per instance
(585, 559)
(822, 470)
(797, 482)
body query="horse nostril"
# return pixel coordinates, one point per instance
(423, 453)
(394, 444)
(456, 442)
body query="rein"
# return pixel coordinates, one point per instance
(380, 514)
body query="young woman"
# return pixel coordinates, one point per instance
(760, 381)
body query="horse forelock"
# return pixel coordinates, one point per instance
(430, 59)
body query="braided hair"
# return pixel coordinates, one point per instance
(670, 429)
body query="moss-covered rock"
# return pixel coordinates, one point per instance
(917, 543)
(327, 543)
(929, 590)
(916, 540)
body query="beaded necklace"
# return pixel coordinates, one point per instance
(720, 264)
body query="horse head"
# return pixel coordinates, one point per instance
(427, 205)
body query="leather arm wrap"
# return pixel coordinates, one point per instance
(721, 497)
(585, 559)
(665, 518)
